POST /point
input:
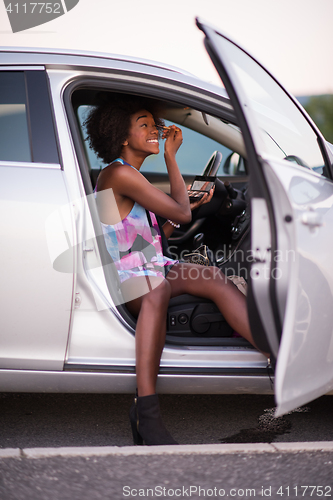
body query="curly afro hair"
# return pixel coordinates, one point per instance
(109, 121)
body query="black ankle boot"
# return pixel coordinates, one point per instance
(146, 422)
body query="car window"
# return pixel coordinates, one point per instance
(14, 135)
(282, 131)
(95, 162)
(192, 156)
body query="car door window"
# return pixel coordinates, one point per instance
(192, 156)
(14, 134)
(283, 131)
(95, 163)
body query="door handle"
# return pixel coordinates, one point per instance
(312, 219)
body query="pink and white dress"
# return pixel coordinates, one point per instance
(135, 244)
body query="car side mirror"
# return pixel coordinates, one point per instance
(231, 164)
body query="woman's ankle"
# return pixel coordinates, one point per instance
(146, 392)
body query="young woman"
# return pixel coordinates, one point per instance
(124, 131)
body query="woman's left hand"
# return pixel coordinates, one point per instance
(205, 198)
(168, 228)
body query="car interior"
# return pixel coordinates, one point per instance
(212, 147)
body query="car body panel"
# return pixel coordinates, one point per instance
(36, 300)
(122, 383)
(304, 369)
(305, 205)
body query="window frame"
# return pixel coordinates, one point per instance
(145, 86)
(43, 139)
(139, 85)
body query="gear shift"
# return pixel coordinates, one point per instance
(198, 240)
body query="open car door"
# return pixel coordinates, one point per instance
(290, 303)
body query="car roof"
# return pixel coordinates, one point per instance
(69, 58)
(92, 54)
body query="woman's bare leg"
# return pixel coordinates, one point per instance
(149, 300)
(150, 306)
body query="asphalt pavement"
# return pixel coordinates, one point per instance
(78, 447)
(167, 474)
(53, 420)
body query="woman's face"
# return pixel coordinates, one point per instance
(143, 134)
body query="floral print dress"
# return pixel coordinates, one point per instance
(135, 244)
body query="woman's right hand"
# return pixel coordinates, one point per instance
(174, 139)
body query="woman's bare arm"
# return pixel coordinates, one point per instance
(168, 228)
(130, 184)
(178, 190)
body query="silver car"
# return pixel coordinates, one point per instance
(64, 326)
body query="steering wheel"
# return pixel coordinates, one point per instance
(210, 169)
(213, 164)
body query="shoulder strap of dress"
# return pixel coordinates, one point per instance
(149, 218)
(165, 245)
(118, 160)
(123, 162)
